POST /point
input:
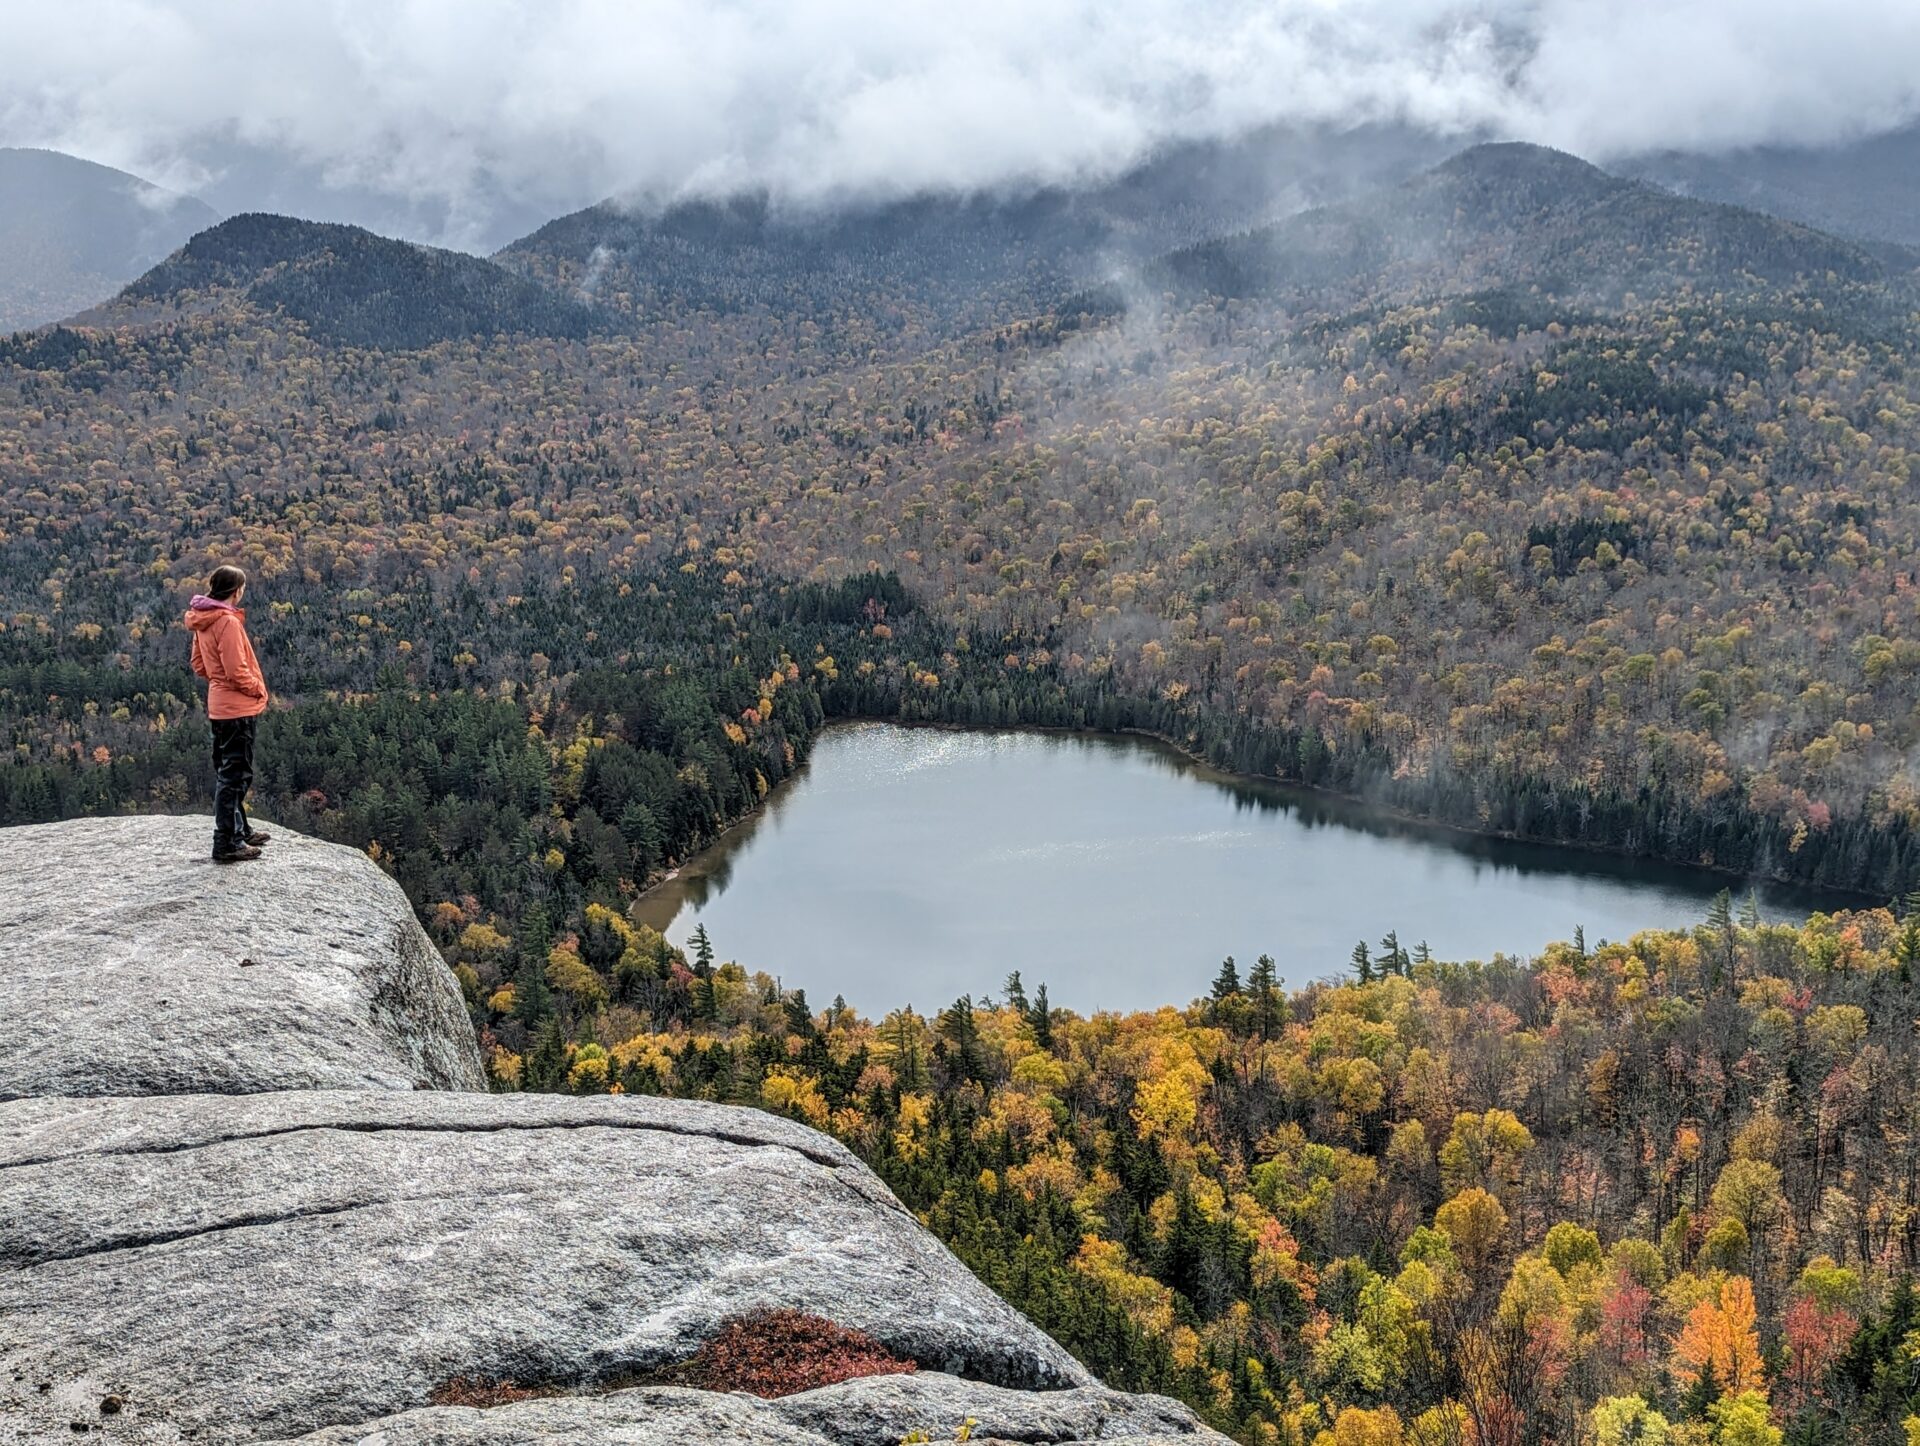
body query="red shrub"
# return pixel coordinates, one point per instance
(781, 1352)
(479, 1391)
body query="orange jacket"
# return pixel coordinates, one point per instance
(223, 656)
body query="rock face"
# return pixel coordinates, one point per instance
(269, 1264)
(124, 968)
(312, 1263)
(877, 1411)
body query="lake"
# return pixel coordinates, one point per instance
(914, 865)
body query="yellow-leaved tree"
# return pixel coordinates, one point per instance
(1719, 1333)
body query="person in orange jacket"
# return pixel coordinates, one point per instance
(236, 697)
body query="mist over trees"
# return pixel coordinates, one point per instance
(1517, 496)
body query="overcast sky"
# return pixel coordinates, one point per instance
(466, 118)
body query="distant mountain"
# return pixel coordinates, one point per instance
(351, 286)
(1510, 215)
(72, 233)
(1867, 189)
(963, 255)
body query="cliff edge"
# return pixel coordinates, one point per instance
(132, 964)
(267, 1200)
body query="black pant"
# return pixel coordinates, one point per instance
(232, 777)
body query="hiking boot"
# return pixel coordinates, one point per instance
(237, 856)
(257, 837)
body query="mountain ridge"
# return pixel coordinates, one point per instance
(352, 286)
(72, 232)
(1511, 213)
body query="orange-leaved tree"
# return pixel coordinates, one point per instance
(1719, 1334)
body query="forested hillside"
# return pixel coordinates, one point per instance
(1517, 496)
(1626, 565)
(1658, 1191)
(1867, 188)
(1519, 215)
(351, 286)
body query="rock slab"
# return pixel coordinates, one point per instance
(876, 1411)
(252, 1189)
(243, 1268)
(131, 964)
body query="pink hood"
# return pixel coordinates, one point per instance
(202, 603)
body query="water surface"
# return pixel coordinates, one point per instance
(913, 865)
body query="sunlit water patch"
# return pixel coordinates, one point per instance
(913, 865)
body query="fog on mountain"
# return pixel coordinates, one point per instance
(1519, 473)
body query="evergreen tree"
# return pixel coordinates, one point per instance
(1016, 992)
(1906, 948)
(908, 1067)
(1702, 1394)
(705, 1006)
(1226, 983)
(1362, 962)
(1393, 958)
(1040, 1019)
(546, 1064)
(702, 951)
(1268, 1003)
(532, 998)
(961, 1030)
(1720, 913)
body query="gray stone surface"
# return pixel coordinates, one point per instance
(121, 974)
(271, 1201)
(250, 1267)
(651, 1416)
(879, 1410)
(876, 1411)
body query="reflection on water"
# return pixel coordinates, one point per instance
(912, 865)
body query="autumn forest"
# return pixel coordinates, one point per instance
(1518, 497)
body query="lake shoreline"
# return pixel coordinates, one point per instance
(1380, 810)
(1212, 772)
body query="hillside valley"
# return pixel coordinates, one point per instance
(1504, 494)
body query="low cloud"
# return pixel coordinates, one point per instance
(460, 111)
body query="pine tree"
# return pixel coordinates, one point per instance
(1906, 948)
(1016, 992)
(1263, 984)
(1363, 962)
(799, 1016)
(1750, 911)
(1040, 1018)
(961, 1030)
(906, 1043)
(1422, 954)
(547, 1062)
(532, 998)
(1703, 1393)
(702, 951)
(706, 1007)
(1226, 983)
(1720, 913)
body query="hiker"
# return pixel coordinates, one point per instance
(236, 697)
